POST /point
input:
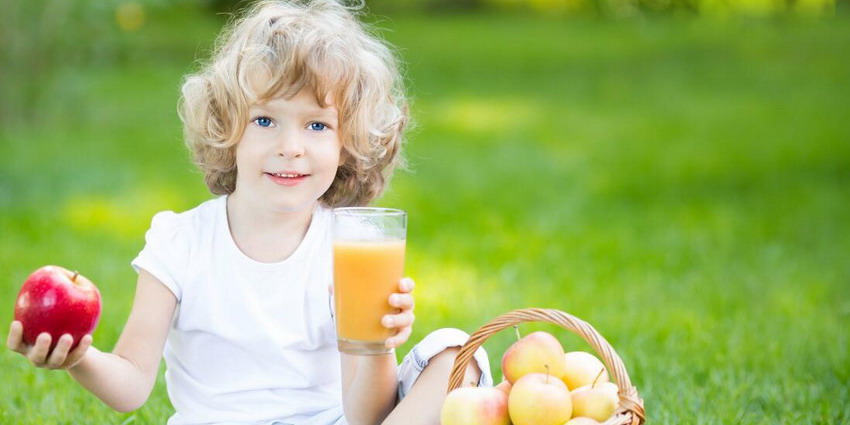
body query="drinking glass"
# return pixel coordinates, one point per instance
(368, 252)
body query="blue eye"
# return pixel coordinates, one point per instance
(263, 121)
(317, 126)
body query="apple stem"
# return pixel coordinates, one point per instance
(547, 373)
(516, 328)
(74, 277)
(598, 375)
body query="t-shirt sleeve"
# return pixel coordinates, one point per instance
(165, 252)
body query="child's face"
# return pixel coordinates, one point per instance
(289, 152)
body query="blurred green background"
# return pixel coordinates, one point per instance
(675, 172)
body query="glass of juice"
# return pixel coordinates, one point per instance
(368, 252)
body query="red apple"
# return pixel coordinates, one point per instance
(57, 301)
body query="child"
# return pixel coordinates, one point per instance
(299, 110)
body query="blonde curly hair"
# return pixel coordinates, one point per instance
(319, 45)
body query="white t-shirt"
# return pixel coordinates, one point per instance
(251, 342)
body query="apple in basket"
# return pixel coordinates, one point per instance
(505, 386)
(597, 401)
(57, 301)
(581, 368)
(539, 399)
(537, 352)
(475, 406)
(582, 420)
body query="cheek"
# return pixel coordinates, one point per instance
(240, 156)
(338, 159)
(331, 155)
(248, 150)
(333, 162)
(343, 156)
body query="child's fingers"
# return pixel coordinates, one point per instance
(77, 353)
(15, 341)
(406, 285)
(402, 301)
(399, 338)
(60, 352)
(38, 352)
(397, 321)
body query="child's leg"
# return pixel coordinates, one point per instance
(422, 404)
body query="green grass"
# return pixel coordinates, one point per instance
(684, 186)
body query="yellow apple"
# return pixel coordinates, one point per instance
(505, 386)
(539, 399)
(581, 368)
(597, 402)
(475, 406)
(610, 387)
(582, 420)
(537, 352)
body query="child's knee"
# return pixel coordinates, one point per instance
(434, 357)
(445, 357)
(445, 360)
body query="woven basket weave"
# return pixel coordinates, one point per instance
(630, 409)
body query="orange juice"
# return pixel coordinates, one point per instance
(365, 274)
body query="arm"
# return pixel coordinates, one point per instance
(370, 383)
(124, 378)
(369, 387)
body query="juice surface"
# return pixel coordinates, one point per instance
(365, 274)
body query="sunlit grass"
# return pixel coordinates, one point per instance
(483, 116)
(122, 217)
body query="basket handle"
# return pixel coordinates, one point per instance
(630, 409)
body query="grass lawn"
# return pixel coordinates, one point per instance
(683, 186)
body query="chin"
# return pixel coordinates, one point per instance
(290, 208)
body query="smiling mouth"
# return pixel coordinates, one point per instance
(288, 175)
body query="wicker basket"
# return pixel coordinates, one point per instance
(629, 411)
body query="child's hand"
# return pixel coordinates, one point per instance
(403, 321)
(40, 355)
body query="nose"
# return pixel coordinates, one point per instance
(290, 146)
